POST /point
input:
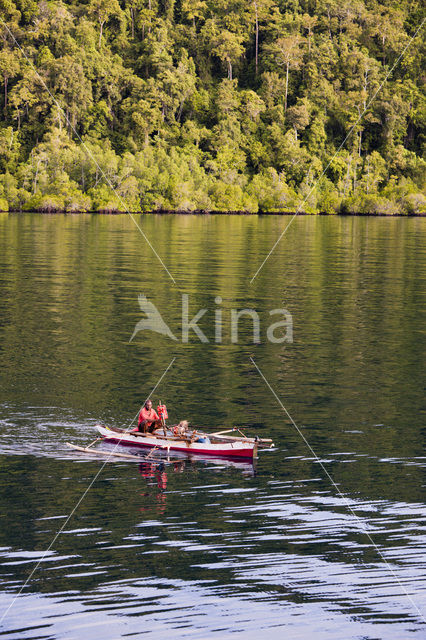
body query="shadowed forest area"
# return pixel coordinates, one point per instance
(228, 105)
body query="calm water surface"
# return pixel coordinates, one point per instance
(196, 548)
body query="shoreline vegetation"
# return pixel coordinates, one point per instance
(254, 106)
(199, 212)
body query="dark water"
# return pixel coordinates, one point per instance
(207, 548)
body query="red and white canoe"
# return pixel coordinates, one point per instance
(215, 444)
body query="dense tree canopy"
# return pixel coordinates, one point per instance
(212, 104)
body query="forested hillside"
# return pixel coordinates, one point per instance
(212, 104)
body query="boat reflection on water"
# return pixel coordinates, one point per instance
(155, 472)
(149, 468)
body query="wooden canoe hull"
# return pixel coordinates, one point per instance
(227, 449)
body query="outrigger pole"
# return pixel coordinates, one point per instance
(99, 452)
(128, 456)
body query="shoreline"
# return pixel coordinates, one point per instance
(200, 212)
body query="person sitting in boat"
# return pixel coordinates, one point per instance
(148, 419)
(181, 428)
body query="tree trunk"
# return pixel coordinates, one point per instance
(229, 70)
(348, 176)
(5, 94)
(355, 166)
(180, 109)
(35, 178)
(257, 38)
(286, 87)
(100, 32)
(368, 174)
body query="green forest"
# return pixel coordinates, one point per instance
(229, 105)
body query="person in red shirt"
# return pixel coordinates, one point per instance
(148, 419)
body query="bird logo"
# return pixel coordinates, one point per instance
(153, 320)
